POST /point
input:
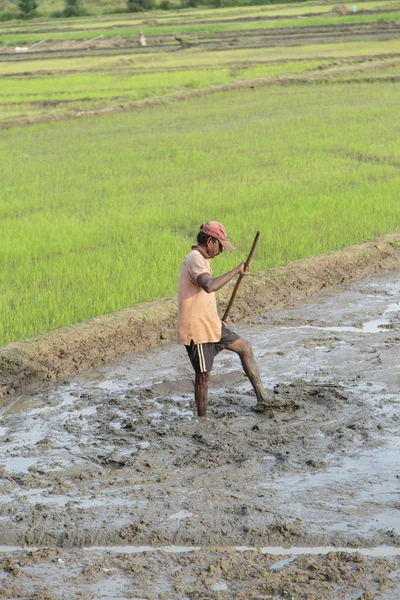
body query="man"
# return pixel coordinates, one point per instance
(199, 327)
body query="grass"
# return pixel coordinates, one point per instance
(96, 215)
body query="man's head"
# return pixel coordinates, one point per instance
(213, 236)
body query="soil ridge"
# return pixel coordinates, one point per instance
(77, 348)
(185, 95)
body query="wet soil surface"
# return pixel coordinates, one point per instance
(110, 483)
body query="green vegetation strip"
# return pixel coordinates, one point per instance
(96, 215)
(197, 29)
(191, 58)
(100, 85)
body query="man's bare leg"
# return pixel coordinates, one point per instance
(201, 392)
(244, 350)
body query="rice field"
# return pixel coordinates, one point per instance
(96, 90)
(193, 28)
(96, 214)
(194, 22)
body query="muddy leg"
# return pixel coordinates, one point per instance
(201, 393)
(245, 351)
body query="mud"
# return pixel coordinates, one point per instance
(116, 489)
(201, 575)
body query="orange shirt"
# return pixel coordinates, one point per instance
(198, 319)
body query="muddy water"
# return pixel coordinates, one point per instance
(117, 458)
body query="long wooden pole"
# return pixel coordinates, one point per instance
(235, 289)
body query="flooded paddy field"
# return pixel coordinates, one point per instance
(111, 487)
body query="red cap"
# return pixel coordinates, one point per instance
(218, 231)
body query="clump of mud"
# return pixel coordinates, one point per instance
(341, 9)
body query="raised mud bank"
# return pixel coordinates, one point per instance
(77, 348)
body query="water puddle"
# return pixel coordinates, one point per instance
(30, 437)
(144, 445)
(292, 551)
(182, 514)
(19, 464)
(372, 327)
(220, 586)
(282, 563)
(113, 587)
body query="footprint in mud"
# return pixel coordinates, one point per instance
(316, 420)
(297, 396)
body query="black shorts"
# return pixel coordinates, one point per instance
(202, 355)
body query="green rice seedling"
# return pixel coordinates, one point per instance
(63, 92)
(96, 214)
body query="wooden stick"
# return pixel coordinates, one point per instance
(235, 289)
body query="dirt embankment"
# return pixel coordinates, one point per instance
(80, 347)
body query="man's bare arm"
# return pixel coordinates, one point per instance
(213, 284)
